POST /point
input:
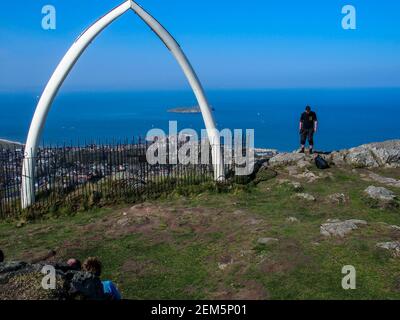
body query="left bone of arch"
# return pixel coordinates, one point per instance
(66, 65)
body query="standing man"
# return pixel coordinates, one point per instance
(308, 126)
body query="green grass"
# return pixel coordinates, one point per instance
(202, 244)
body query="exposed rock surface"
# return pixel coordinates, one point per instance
(337, 198)
(292, 170)
(338, 158)
(361, 158)
(302, 164)
(394, 247)
(308, 176)
(337, 228)
(296, 186)
(227, 261)
(285, 159)
(384, 180)
(373, 155)
(381, 154)
(380, 193)
(305, 196)
(266, 241)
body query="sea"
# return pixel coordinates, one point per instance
(347, 117)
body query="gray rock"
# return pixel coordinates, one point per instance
(308, 176)
(387, 152)
(381, 154)
(292, 220)
(337, 228)
(303, 164)
(224, 265)
(357, 222)
(305, 196)
(285, 159)
(337, 198)
(296, 186)
(338, 158)
(254, 222)
(380, 193)
(333, 220)
(361, 158)
(384, 180)
(266, 241)
(292, 170)
(394, 247)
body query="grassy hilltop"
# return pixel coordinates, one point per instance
(255, 242)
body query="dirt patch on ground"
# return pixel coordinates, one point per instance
(136, 267)
(154, 220)
(234, 231)
(248, 290)
(35, 256)
(291, 256)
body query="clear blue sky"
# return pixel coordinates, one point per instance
(231, 44)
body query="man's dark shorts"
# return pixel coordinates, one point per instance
(307, 134)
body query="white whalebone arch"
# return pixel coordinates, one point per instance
(67, 63)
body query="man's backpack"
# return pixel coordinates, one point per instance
(321, 163)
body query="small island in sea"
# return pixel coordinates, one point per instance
(195, 109)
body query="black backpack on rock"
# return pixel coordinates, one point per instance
(321, 163)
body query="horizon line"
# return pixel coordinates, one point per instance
(126, 90)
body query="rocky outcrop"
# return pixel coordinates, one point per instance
(292, 220)
(266, 241)
(393, 247)
(380, 194)
(337, 228)
(286, 159)
(337, 198)
(373, 155)
(390, 182)
(295, 186)
(21, 280)
(307, 175)
(361, 158)
(305, 196)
